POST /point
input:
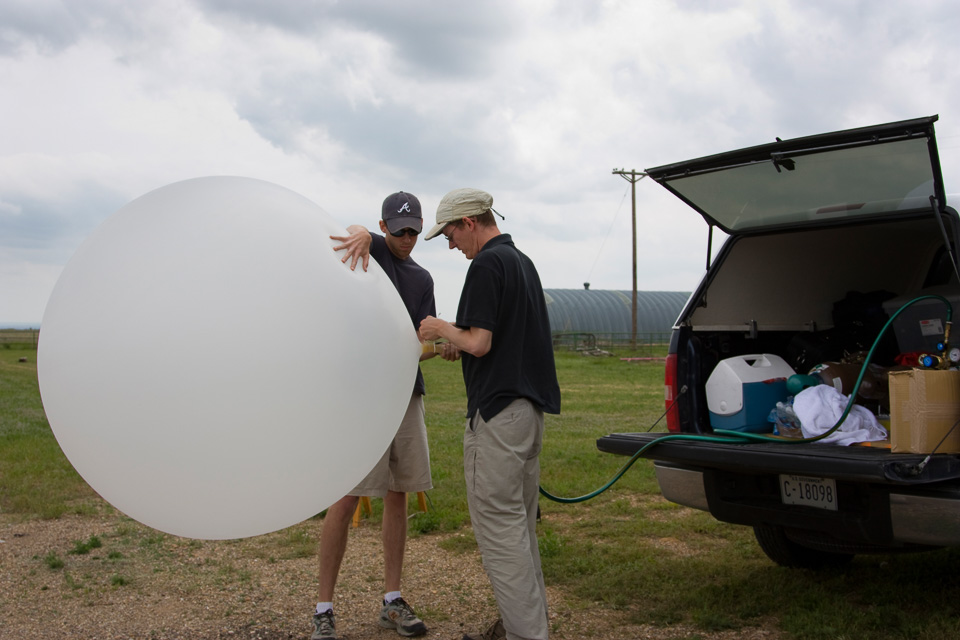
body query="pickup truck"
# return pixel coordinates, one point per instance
(826, 236)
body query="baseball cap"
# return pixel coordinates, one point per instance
(402, 211)
(460, 203)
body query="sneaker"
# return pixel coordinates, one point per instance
(324, 626)
(494, 632)
(398, 615)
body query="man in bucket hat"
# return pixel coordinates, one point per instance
(405, 466)
(502, 333)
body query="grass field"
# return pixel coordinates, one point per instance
(626, 549)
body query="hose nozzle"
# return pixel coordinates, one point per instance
(942, 359)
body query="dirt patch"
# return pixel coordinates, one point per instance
(107, 577)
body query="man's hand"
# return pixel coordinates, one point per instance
(356, 246)
(430, 328)
(473, 340)
(449, 351)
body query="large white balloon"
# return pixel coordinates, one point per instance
(212, 369)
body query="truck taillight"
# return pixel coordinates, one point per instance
(670, 390)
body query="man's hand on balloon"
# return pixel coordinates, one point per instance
(356, 246)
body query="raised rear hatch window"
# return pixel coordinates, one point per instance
(871, 171)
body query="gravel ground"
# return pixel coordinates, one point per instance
(142, 584)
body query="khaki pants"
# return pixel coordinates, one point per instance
(502, 469)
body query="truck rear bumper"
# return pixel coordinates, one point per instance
(885, 500)
(920, 519)
(925, 519)
(682, 486)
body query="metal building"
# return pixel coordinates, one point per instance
(606, 313)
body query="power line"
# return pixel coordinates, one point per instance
(606, 237)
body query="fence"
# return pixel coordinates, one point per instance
(648, 344)
(19, 338)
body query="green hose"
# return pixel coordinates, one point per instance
(636, 456)
(738, 437)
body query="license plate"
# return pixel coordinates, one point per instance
(811, 492)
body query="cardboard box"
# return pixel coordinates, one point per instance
(924, 407)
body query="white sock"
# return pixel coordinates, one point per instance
(324, 606)
(391, 596)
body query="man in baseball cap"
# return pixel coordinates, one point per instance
(401, 211)
(405, 466)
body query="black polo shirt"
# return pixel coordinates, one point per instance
(413, 283)
(502, 293)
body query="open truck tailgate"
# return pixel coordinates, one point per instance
(854, 463)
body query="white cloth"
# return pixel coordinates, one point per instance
(819, 407)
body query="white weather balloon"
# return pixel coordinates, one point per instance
(212, 369)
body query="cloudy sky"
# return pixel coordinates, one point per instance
(534, 101)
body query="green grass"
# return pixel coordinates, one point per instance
(35, 476)
(83, 547)
(627, 549)
(53, 561)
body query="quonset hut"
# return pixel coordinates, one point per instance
(595, 317)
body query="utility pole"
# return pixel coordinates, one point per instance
(633, 177)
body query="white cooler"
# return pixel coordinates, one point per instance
(742, 390)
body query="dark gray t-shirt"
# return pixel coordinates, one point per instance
(413, 282)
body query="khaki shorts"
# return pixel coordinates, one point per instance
(405, 465)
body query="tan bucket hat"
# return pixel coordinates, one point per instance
(460, 203)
